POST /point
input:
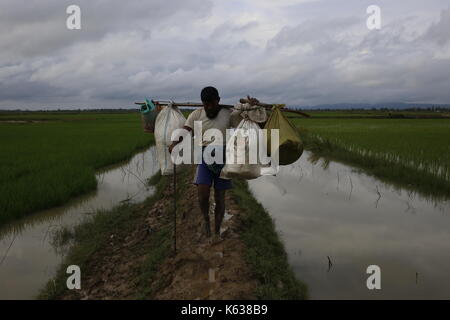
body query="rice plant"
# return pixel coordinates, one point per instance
(43, 164)
(420, 145)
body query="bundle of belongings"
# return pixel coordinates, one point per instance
(243, 154)
(247, 164)
(168, 120)
(291, 145)
(242, 158)
(149, 112)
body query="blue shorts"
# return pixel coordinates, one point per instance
(207, 176)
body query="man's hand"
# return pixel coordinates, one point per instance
(189, 129)
(172, 146)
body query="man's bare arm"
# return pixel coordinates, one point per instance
(189, 129)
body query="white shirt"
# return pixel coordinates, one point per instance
(224, 120)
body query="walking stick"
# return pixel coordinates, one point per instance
(175, 207)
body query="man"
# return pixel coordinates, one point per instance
(212, 116)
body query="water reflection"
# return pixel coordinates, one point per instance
(27, 258)
(335, 222)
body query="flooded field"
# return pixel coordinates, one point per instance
(357, 221)
(323, 214)
(28, 259)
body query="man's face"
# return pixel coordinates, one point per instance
(212, 108)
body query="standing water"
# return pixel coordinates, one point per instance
(335, 222)
(28, 259)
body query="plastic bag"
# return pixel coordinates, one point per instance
(168, 120)
(255, 113)
(242, 168)
(148, 114)
(291, 145)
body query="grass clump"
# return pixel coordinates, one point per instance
(88, 237)
(94, 233)
(160, 249)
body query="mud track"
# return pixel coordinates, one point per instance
(200, 269)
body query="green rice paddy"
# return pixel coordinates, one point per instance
(47, 158)
(413, 152)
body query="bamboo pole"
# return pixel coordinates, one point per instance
(182, 104)
(198, 105)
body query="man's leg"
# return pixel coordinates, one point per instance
(219, 212)
(203, 180)
(203, 198)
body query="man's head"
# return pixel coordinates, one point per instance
(210, 98)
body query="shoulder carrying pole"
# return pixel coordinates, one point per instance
(197, 105)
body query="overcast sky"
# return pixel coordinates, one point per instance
(299, 52)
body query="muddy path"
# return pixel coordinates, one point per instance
(200, 269)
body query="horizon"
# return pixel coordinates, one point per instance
(339, 106)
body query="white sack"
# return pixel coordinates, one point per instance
(241, 168)
(168, 120)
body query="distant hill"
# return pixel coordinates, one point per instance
(368, 106)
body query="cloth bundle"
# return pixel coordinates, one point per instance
(149, 112)
(290, 143)
(244, 139)
(168, 120)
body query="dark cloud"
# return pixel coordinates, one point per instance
(440, 32)
(31, 28)
(129, 50)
